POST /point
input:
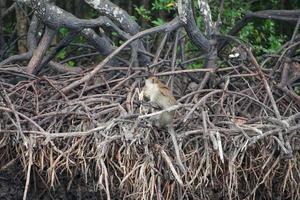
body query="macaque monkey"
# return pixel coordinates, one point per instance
(160, 95)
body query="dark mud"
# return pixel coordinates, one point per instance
(12, 186)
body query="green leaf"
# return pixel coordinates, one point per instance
(63, 31)
(158, 22)
(62, 54)
(71, 63)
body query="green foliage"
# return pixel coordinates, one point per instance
(263, 38)
(63, 32)
(71, 63)
(150, 15)
(61, 54)
(64, 53)
(158, 22)
(196, 65)
(263, 35)
(233, 12)
(9, 27)
(144, 13)
(166, 5)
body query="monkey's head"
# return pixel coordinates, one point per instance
(152, 80)
(151, 85)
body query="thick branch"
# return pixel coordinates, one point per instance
(40, 51)
(55, 17)
(174, 24)
(282, 15)
(186, 15)
(206, 14)
(115, 13)
(123, 20)
(100, 43)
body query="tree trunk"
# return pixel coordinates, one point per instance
(2, 41)
(21, 29)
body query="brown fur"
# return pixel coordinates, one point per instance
(161, 95)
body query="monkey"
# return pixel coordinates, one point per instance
(160, 95)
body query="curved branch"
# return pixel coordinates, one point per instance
(174, 24)
(55, 17)
(206, 14)
(186, 15)
(282, 15)
(40, 51)
(115, 13)
(123, 20)
(103, 46)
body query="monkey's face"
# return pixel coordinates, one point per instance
(152, 80)
(151, 83)
(151, 86)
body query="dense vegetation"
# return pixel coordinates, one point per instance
(265, 36)
(74, 123)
